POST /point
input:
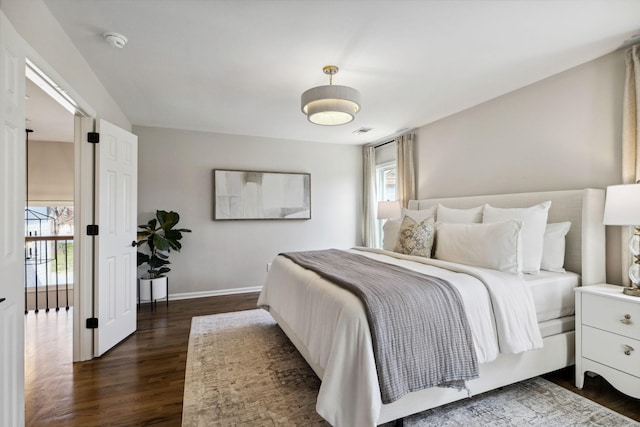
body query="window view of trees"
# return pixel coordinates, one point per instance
(49, 221)
(62, 220)
(48, 261)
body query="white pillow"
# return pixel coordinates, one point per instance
(460, 216)
(496, 246)
(390, 231)
(534, 223)
(420, 215)
(554, 245)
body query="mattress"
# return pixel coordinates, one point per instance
(553, 294)
(557, 326)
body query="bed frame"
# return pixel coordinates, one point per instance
(585, 242)
(585, 254)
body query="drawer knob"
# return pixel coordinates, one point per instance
(627, 349)
(626, 320)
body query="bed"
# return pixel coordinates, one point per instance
(328, 325)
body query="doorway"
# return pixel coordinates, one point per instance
(104, 192)
(49, 211)
(49, 235)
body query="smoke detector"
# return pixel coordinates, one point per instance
(115, 39)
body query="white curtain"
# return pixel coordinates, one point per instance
(369, 196)
(630, 141)
(406, 179)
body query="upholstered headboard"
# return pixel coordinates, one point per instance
(585, 242)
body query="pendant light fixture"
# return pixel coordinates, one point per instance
(330, 105)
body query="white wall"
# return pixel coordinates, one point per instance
(557, 134)
(176, 173)
(52, 51)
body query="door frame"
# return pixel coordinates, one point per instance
(83, 210)
(83, 248)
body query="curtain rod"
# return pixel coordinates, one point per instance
(384, 143)
(393, 137)
(630, 42)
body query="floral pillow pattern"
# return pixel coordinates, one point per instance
(416, 238)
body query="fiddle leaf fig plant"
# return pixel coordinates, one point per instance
(160, 238)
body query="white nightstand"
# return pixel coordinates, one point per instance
(608, 337)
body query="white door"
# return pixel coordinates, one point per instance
(12, 204)
(116, 217)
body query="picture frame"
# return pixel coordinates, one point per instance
(261, 195)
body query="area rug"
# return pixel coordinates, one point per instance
(243, 371)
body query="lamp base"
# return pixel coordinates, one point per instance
(631, 291)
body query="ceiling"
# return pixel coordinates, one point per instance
(48, 120)
(240, 66)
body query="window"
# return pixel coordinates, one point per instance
(49, 221)
(386, 185)
(386, 189)
(48, 260)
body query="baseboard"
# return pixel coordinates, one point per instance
(203, 294)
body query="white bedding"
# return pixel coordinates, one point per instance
(553, 293)
(329, 326)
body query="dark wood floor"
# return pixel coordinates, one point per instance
(138, 383)
(141, 381)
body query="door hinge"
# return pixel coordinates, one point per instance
(93, 137)
(92, 230)
(92, 323)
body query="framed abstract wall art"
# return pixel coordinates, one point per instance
(251, 195)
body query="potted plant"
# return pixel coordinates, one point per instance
(160, 238)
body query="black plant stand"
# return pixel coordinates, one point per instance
(152, 302)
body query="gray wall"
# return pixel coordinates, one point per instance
(559, 133)
(175, 173)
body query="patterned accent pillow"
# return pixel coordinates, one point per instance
(416, 238)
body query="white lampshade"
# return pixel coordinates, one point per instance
(622, 205)
(330, 105)
(389, 209)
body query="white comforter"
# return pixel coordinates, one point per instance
(328, 324)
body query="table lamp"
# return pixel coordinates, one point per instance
(622, 207)
(389, 210)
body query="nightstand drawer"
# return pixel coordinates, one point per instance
(619, 316)
(609, 349)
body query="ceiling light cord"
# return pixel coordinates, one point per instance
(330, 70)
